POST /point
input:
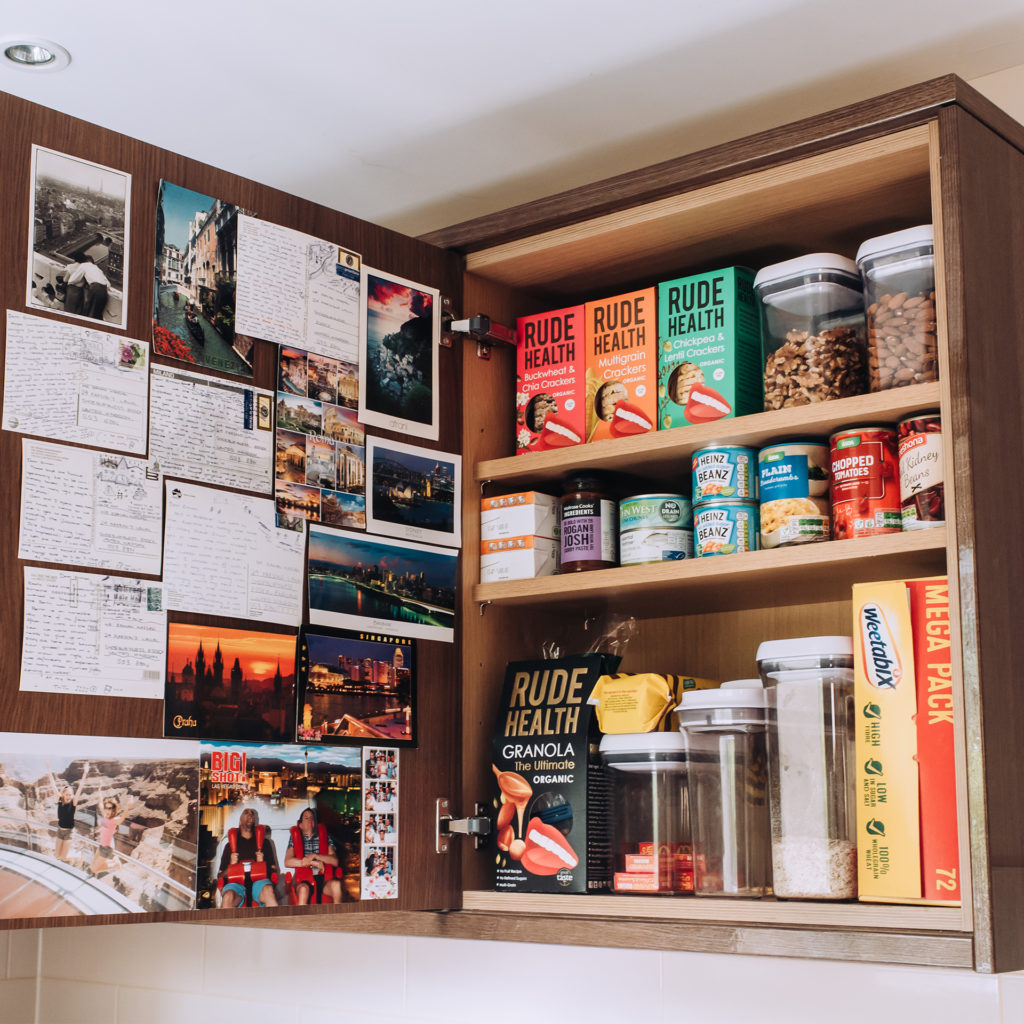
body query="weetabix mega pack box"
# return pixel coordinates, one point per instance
(552, 800)
(709, 348)
(621, 366)
(550, 383)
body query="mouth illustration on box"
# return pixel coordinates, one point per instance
(556, 433)
(705, 404)
(547, 850)
(629, 419)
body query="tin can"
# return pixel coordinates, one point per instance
(865, 482)
(725, 527)
(793, 479)
(921, 474)
(652, 511)
(655, 528)
(724, 472)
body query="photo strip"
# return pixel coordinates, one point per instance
(379, 827)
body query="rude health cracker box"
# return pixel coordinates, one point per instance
(709, 348)
(621, 366)
(551, 800)
(550, 384)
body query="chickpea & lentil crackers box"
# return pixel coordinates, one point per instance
(622, 366)
(709, 348)
(550, 385)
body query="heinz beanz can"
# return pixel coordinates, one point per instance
(724, 471)
(865, 482)
(725, 527)
(793, 478)
(655, 528)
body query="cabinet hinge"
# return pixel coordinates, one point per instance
(479, 826)
(481, 328)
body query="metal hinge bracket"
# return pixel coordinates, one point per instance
(479, 826)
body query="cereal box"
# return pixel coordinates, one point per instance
(709, 348)
(622, 366)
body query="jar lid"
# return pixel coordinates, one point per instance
(737, 693)
(642, 750)
(585, 480)
(802, 266)
(908, 238)
(805, 647)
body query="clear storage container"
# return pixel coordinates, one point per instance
(899, 289)
(650, 812)
(811, 766)
(812, 313)
(727, 777)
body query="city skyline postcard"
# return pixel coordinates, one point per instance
(381, 585)
(399, 335)
(232, 684)
(97, 825)
(414, 493)
(356, 687)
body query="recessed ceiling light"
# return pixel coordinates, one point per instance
(34, 55)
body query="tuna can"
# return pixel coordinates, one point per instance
(655, 528)
(865, 482)
(793, 479)
(725, 527)
(724, 471)
(921, 488)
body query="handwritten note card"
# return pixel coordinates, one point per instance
(298, 290)
(90, 634)
(89, 508)
(224, 555)
(207, 429)
(75, 384)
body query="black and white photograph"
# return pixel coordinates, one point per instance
(415, 493)
(78, 245)
(399, 334)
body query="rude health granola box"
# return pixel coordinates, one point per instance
(709, 348)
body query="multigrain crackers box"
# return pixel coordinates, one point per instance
(551, 800)
(550, 383)
(709, 348)
(621, 366)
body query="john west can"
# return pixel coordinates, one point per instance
(655, 528)
(921, 478)
(724, 471)
(793, 482)
(865, 482)
(725, 527)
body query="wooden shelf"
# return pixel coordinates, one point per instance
(665, 455)
(804, 574)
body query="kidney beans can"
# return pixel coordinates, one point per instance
(725, 527)
(922, 494)
(724, 471)
(793, 479)
(865, 482)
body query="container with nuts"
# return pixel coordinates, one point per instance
(899, 288)
(812, 311)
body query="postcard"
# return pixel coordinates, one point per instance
(224, 555)
(90, 508)
(265, 807)
(381, 585)
(399, 335)
(91, 634)
(379, 824)
(195, 281)
(207, 429)
(356, 687)
(235, 684)
(78, 250)
(415, 493)
(298, 290)
(77, 384)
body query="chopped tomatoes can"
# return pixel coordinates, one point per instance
(865, 482)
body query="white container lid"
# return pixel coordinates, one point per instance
(641, 743)
(908, 238)
(805, 647)
(737, 693)
(802, 266)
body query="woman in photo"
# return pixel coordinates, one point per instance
(66, 805)
(111, 817)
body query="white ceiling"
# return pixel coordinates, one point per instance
(417, 115)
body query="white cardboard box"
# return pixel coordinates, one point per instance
(518, 558)
(525, 514)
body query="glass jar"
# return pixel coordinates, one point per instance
(590, 523)
(811, 766)
(650, 812)
(812, 313)
(728, 780)
(899, 290)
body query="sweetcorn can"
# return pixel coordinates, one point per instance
(725, 527)
(865, 482)
(793, 479)
(724, 471)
